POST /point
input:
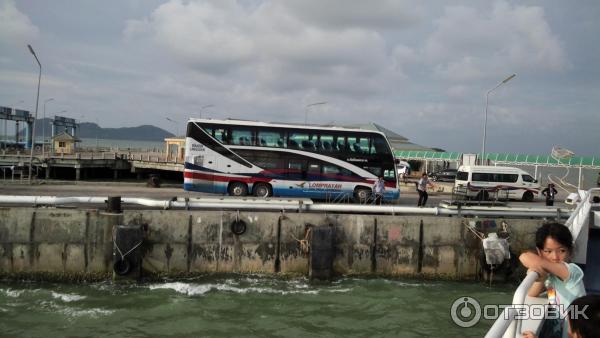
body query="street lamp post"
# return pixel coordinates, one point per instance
(37, 100)
(207, 106)
(487, 96)
(308, 106)
(44, 127)
(97, 131)
(176, 126)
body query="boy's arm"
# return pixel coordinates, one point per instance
(535, 262)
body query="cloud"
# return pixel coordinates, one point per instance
(342, 14)
(15, 27)
(208, 35)
(270, 44)
(469, 44)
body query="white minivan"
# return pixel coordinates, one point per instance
(482, 181)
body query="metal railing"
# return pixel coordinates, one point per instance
(578, 220)
(506, 325)
(275, 204)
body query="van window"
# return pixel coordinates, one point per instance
(528, 178)
(481, 177)
(508, 178)
(462, 176)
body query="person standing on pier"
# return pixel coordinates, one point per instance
(550, 192)
(378, 190)
(422, 189)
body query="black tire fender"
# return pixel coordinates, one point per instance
(238, 227)
(122, 267)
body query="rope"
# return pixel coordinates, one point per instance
(478, 234)
(304, 243)
(128, 252)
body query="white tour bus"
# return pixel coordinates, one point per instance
(267, 159)
(482, 182)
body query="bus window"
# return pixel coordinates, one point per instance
(302, 141)
(326, 143)
(331, 170)
(295, 139)
(374, 170)
(296, 170)
(379, 145)
(341, 145)
(221, 135)
(268, 162)
(314, 171)
(209, 131)
(389, 175)
(242, 137)
(358, 145)
(271, 139)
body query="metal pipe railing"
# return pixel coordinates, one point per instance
(505, 324)
(299, 205)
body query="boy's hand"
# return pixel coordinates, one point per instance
(543, 274)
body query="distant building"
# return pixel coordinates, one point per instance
(64, 143)
(175, 148)
(397, 141)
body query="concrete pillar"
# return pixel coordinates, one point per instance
(77, 174)
(28, 131)
(115, 174)
(48, 172)
(322, 252)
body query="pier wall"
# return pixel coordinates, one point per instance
(75, 244)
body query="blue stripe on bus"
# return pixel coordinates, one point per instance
(284, 191)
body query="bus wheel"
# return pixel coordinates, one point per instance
(361, 195)
(262, 190)
(528, 196)
(237, 189)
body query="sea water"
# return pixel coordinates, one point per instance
(243, 306)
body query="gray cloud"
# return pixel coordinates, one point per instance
(15, 27)
(420, 69)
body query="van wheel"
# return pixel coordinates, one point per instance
(528, 196)
(361, 195)
(483, 196)
(237, 189)
(262, 190)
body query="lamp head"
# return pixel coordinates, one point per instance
(509, 78)
(31, 49)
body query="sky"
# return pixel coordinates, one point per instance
(419, 68)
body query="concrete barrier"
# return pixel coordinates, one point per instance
(73, 244)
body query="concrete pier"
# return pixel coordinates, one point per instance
(73, 244)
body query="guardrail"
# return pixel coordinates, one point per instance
(505, 325)
(295, 205)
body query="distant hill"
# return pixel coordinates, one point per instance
(92, 130)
